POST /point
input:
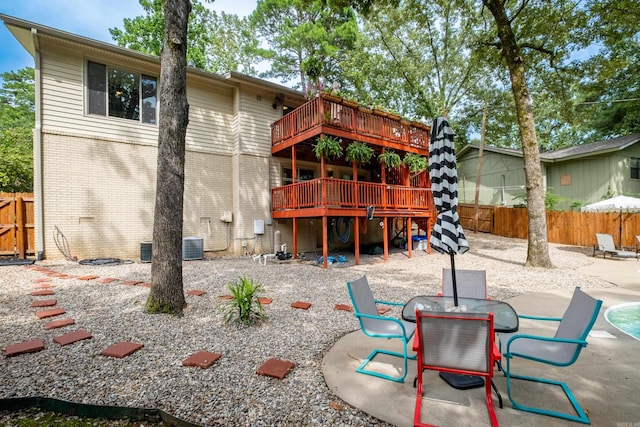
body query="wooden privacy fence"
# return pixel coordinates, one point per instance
(571, 228)
(16, 224)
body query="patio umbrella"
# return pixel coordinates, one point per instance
(615, 204)
(447, 236)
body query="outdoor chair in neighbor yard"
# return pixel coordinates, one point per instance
(457, 343)
(562, 349)
(377, 326)
(606, 246)
(470, 283)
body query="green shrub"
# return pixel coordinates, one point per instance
(244, 307)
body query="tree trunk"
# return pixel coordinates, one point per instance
(167, 293)
(538, 248)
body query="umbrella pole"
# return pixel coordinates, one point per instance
(453, 278)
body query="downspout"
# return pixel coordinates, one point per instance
(37, 153)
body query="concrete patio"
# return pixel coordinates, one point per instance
(604, 380)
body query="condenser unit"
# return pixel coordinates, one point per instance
(146, 251)
(192, 248)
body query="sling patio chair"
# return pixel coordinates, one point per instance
(377, 326)
(470, 283)
(606, 246)
(561, 350)
(458, 343)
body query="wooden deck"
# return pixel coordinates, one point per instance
(392, 194)
(323, 116)
(330, 196)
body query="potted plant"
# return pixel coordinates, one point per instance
(331, 96)
(391, 159)
(327, 146)
(359, 152)
(393, 115)
(349, 102)
(415, 162)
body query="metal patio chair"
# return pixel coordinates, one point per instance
(470, 283)
(457, 343)
(607, 246)
(562, 349)
(377, 326)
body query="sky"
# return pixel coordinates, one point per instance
(86, 18)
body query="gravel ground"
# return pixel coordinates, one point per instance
(230, 392)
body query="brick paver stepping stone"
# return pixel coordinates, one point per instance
(203, 359)
(43, 286)
(43, 314)
(132, 282)
(343, 307)
(59, 323)
(196, 292)
(88, 277)
(42, 279)
(108, 280)
(42, 292)
(121, 349)
(72, 337)
(44, 303)
(225, 296)
(24, 347)
(301, 304)
(265, 300)
(145, 285)
(383, 310)
(276, 368)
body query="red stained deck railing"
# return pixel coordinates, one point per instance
(338, 193)
(321, 112)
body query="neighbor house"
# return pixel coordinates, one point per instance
(252, 181)
(579, 175)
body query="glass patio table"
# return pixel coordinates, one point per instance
(505, 318)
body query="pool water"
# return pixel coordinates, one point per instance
(625, 317)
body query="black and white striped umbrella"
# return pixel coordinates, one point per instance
(447, 235)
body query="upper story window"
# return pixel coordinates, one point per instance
(120, 93)
(635, 168)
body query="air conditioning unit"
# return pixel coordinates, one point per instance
(192, 248)
(146, 252)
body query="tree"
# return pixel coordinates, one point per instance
(17, 118)
(608, 95)
(419, 66)
(306, 38)
(216, 43)
(167, 293)
(538, 248)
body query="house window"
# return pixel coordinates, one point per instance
(303, 175)
(120, 93)
(635, 168)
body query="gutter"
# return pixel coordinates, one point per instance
(37, 152)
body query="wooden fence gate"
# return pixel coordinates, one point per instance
(17, 225)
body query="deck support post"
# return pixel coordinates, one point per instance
(356, 238)
(409, 238)
(325, 242)
(385, 237)
(295, 238)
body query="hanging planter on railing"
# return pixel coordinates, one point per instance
(415, 162)
(391, 159)
(329, 147)
(359, 152)
(331, 97)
